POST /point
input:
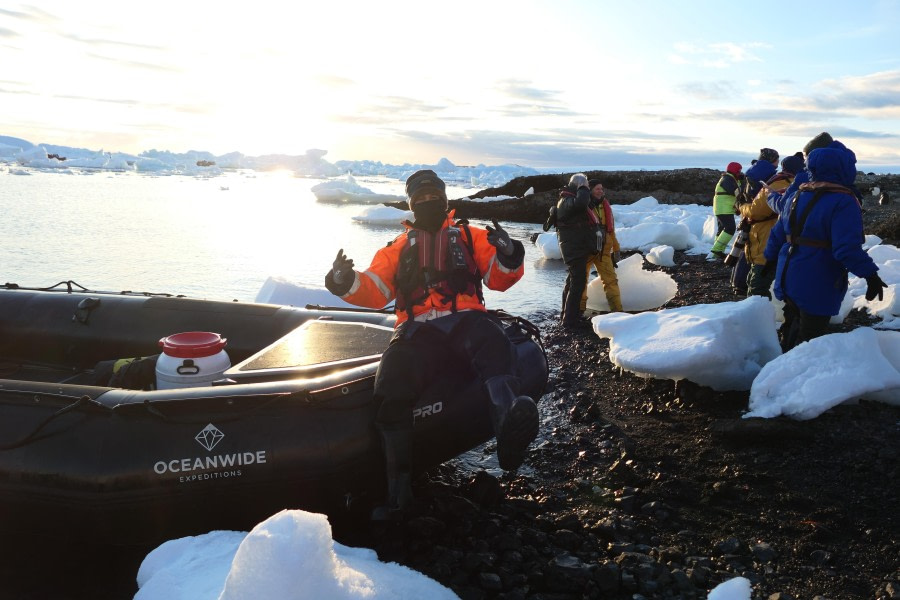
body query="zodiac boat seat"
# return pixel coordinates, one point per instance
(313, 349)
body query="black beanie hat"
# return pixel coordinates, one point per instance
(592, 183)
(422, 182)
(820, 141)
(792, 164)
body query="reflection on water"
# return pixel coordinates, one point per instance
(218, 238)
(188, 235)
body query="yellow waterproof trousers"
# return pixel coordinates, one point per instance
(607, 272)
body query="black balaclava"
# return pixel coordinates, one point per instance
(429, 215)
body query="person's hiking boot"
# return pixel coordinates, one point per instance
(399, 499)
(397, 445)
(518, 431)
(515, 420)
(579, 324)
(715, 255)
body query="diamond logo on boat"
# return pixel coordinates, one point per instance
(209, 437)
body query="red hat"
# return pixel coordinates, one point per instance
(734, 168)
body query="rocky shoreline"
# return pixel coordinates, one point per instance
(643, 489)
(676, 186)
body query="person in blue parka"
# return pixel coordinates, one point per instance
(816, 241)
(764, 167)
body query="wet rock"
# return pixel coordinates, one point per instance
(763, 552)
(657, 510)
(821, 557)
(729, 546)
(490, 582)
(485, 489)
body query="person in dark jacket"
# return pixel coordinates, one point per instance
(577, 228)
(816, 241)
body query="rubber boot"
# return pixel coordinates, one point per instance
(515, 420)
(397, 445)
(721, 242)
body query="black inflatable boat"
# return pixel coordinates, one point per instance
(287, 425)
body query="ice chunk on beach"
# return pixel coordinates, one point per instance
(820, 374)
(871, 241)
(644, 236)
(290, 555)
(737, 588)
(722, 346)
(661, 255)
(321, 568)
(640, 289)
(548, 244)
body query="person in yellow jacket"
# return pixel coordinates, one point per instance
(727, 189)
(434, 272)
(761, 219)
(605, 261)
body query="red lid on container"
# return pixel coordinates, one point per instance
(192, 344)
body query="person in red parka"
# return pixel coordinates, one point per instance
(434, 273)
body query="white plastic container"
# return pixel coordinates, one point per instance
(191, 359)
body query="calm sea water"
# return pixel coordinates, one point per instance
(217, 238)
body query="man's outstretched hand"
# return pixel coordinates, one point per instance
(342, 267)
(499, 238)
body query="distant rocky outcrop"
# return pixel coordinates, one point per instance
(675, 186)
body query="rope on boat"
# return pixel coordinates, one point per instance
(388, 310)
(70, 286)
(70, 407)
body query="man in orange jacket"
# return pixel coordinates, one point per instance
(434, 272)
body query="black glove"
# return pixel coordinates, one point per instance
(341, 268)
(875, 285)
(768, 269)
(551, 219)
(498, 238)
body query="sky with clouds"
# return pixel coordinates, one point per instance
(566, 83)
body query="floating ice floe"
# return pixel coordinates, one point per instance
(383, 215)
(279, 290)
(347, 190)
